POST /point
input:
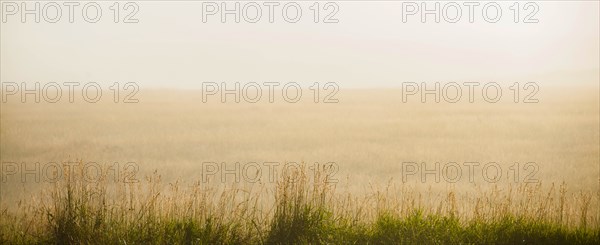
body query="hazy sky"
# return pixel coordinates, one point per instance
(370, 46)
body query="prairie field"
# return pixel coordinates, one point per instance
(300, 122)
(365, 170)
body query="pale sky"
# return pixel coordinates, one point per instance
(369, 47)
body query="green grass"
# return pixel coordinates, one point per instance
(303, 212)
(316, 227)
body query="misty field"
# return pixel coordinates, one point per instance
(364, 170)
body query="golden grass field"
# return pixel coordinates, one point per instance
(368, 135)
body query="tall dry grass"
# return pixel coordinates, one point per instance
(301, 207)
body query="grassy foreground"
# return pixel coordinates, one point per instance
(300, 208)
